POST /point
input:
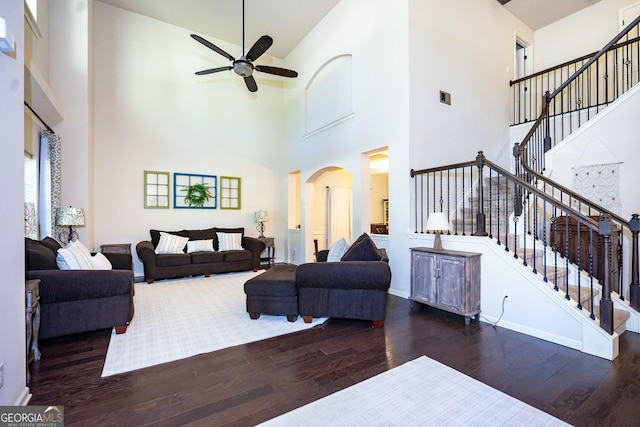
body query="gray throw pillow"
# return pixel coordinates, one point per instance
(363, 249)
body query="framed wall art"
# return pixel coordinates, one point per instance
(156, 190)
(194, 191)
(230, 192)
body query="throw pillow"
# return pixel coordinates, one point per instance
(100, 262)
(200, 246)
(38, 256)
(338, 249)
(78, 245)
(171, 244)
(72, 258)
(363, 249)
(230, 241)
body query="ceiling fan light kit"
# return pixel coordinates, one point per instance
(244, 65)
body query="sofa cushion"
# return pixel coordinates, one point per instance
(100, 262)
(155, 235)
(74, 256)
(337, 251)
(206, 257)
(171, 244)
(173, 260)
(242, 255)
(38, 256)
(229, 241)
(216, 245)
(51, 244)
(363, 249)
(208, 234)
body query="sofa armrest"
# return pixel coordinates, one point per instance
(344, 275)
(147, 254)
(73, 285)
(256, 247)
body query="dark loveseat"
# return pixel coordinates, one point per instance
(170, 266)
(74, 301)
(354, 288)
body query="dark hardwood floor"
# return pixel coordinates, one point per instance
(251, 383)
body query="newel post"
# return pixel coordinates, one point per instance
(547, 127)
(606, 305)
(634, 288)
(480, 217)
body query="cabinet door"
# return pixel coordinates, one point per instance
(451, 282)
(423, 284)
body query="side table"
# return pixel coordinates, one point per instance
(32, 305)
(270, 248)
(117, 248)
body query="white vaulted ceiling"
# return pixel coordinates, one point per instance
(289, 21)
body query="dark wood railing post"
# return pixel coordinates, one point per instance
(634, 288)
(547, 127)
(481, 229)
(606, 305)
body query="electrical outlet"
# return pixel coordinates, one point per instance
(1, 375)
(507, 294)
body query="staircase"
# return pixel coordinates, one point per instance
(527, 215)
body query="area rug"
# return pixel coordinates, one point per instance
(422, 392)
(182, 318)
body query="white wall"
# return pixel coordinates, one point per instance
(12, 331)
(610, 137)
(153, 113)
(582, 33)
(375, 33)
(70, 79)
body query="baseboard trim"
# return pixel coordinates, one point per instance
(24, 398)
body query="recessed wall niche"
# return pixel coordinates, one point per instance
(329, 95)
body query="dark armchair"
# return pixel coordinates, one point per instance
(354, 288)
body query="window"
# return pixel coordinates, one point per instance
(30, 196)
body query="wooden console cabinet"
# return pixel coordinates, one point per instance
(448, 280)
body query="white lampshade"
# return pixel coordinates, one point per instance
(70, 216)
(261, 216)
(438, 221)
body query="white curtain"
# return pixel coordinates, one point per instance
(50, 191)
(339, 214)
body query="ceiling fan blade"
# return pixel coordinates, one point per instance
(259, 47)
(214, 70)
(251, 83)
(276, 70)
(212, 47)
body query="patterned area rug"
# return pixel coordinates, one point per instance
(422, 392)
(182, 318)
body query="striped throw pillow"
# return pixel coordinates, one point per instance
(171, 244)
(72, 258)
(229, 241)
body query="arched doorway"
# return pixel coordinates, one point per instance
(328, 208)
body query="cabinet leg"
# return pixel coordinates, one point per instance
(467, 320)
(415, 306)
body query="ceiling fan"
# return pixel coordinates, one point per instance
(243, 66)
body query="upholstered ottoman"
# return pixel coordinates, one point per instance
(273, 292)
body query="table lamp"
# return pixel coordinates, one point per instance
(71, 217)
(438, 222)
(261, 217)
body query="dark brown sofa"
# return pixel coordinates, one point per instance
(171, 266)
(74, 301)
